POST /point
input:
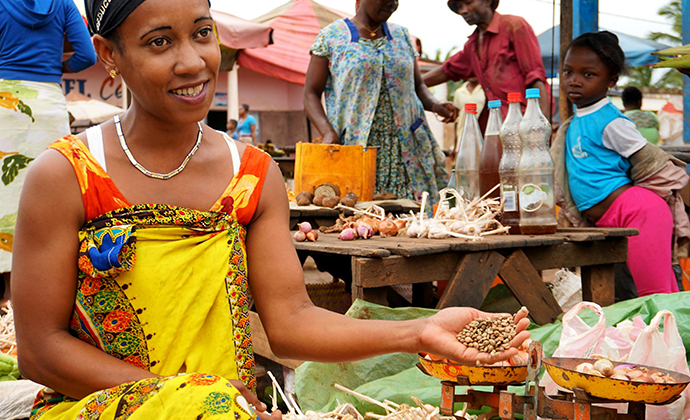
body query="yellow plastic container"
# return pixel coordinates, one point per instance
(351, 168)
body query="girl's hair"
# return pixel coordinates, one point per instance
(246, 107)
(605, 45)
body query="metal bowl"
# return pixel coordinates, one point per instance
(476, 375)
(563, 372)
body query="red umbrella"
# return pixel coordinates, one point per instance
(296, 24)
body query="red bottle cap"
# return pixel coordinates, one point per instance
(514, 97)
(471, 108)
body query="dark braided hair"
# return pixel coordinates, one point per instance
(605, 45)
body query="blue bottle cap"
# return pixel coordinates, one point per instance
(532, 93)
(494, 104)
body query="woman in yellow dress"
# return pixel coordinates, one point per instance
(138, 242)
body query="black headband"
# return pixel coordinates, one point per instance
(106, 15)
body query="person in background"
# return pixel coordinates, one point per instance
(375, 97)
(140, 241)
(470, 92)
(232, 129)
(246, 126)
(604, 164)
(646, 121)
(503, 53)
(33, 111)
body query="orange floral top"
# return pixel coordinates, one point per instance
(161, 287)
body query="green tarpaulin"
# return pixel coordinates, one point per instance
(394, 377)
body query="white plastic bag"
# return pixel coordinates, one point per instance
(665, 350)
(580, 340)
(567, 289)
(17, 398)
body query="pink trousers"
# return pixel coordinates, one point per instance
(649, 253)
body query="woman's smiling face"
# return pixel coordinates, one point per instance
(169, 57)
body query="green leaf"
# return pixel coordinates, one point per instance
(25, 109)
(7, 223)
(12, 165)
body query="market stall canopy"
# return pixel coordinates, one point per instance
(296, 24)
(87, 111)
(239, 34)
(637, 50)
(236, 34)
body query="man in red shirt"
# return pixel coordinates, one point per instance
(503, 53)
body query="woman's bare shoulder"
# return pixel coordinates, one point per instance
(52, 179)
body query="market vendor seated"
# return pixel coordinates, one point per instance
(137, 245)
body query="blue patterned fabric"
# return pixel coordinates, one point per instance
(105, 249)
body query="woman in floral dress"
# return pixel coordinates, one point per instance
(375, 97)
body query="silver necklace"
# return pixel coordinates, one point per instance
(145, 171)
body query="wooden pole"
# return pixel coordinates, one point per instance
(685, 24)
(566, 107)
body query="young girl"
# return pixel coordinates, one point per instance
(599, 144)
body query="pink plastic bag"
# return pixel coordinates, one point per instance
(665, 350)
(580, 340)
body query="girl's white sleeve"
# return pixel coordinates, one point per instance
(622, 136)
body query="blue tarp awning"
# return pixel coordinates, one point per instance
(637, 50)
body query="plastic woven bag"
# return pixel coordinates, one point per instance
(665, 350)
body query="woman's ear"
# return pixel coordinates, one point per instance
(106, 50)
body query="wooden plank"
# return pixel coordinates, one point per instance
(608, 232)
(527, 286)
(329, 243)
(420, 269)
(565, 106)
(598, 284)
(472, 280)
(378, 295)
(262, 346)
(579, 254)
(400, 270)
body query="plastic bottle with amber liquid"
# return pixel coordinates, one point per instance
(491, 152)
(535, 172)
(508, 167)
(469, 152)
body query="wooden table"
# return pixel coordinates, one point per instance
(374, 265)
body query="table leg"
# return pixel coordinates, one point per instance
(472, 279)
(378, 295)
(598, 284)
(529, 289)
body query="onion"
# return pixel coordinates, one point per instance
(348, 234)
(304, 227)
(388, 228)
(400, 223)
(312, 235)
(374, 223)
(300, 236)
(364, 231)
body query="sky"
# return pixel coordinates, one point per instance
(441, 29)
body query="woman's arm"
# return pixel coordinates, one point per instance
(84, 54)
(44, 279)
(252, 131)
(298, 329)
(317, 76)
(446, 109)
